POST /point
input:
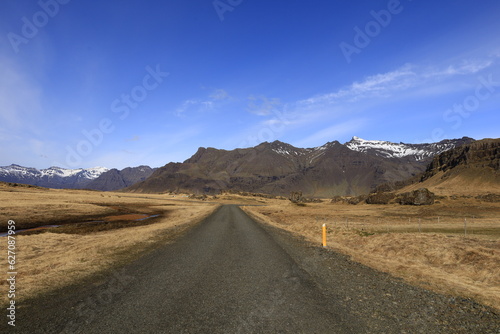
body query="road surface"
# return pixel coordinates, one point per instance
(231, 275)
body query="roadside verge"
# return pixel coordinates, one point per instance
(51, 261)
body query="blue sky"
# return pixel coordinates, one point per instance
(124, 83)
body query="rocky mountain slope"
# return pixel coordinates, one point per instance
(353, 168)
(53, 177)
(418, 152)
(468, 169)
(115, 179)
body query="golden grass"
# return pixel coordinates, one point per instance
(387, 238)
(465, 181)
(49, 261)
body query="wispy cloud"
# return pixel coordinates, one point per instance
(21, 113)
(193, 106)
(407, 83)
(262, 105)
(402, 79)
(465, 67)
(214, 99)
(276, 122)
(335, 131)
(134, 138)
(219, 94)
(20, 98)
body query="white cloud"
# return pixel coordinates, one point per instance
(373, 86)
(219, 94)
(215, 99)
(320, 137)
(277, 122)
(409, 82)
(20, 98)
(262, 105)
(134, 138)
(403, 79)
(186, 106)
(464, 68)
(21, 114)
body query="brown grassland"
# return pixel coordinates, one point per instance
(99, 231)
(452, 247)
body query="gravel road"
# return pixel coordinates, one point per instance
(230, 274)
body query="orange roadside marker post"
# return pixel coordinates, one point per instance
(324, 235)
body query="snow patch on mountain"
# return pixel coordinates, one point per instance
(385, 148)
(286, 150)
(388, 149)
(88, 173)
(56, 177)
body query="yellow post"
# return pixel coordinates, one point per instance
(324, 235)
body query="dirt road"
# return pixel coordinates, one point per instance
(230, 274)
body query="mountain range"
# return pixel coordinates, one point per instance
(115, 179)
(98, 178)
(353, 168)
(53, 177)
(277, 168)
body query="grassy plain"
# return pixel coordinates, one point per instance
(452, 247)
(98, 232)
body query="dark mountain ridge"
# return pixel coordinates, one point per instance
(115, 179)
(277, 168)
(472, 168)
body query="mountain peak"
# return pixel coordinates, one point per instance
(388, 149)
(278, 168)
(53, 177)
(356, 139)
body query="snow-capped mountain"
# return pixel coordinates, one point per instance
(277, 168)
(419, 152)
(286, 149)
(53, 177)
(355, 167)
(384, 149)
(115, 179)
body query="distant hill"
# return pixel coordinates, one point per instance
(115, 179)
(99, 178)
(53, 177)
(470, 170)
(353, 168)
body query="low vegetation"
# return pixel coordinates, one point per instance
(451, 247)
(56, 257)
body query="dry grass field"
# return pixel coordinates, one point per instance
(428, 246)
(452, 247)
(98, 232)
